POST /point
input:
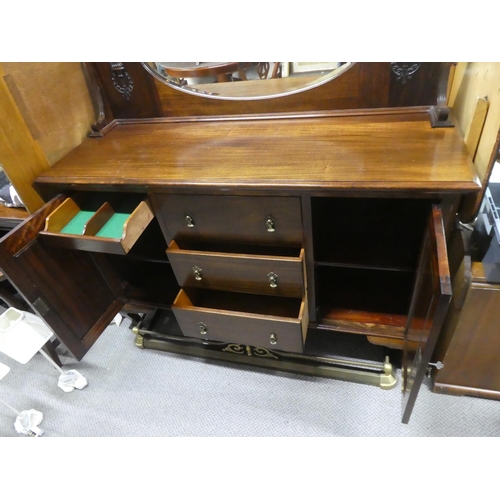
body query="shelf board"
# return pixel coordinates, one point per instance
(363, 322)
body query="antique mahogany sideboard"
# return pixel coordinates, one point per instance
(261, 237)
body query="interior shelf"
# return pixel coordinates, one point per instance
(354, 232)
(369, 301)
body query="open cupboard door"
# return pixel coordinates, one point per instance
(431, 298)
(71, 290)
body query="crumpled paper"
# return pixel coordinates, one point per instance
(70, 380)
(27, 423)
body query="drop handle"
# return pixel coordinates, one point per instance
(273, 280)
(189, 221)
(197, 273)
(270, 224)
(203, 328)
(273, 339)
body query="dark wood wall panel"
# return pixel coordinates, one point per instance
(129, 92)
(419, 87)
(365, 85)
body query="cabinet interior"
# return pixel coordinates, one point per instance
(241, 302)
(365, 258)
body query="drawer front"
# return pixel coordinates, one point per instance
(257, 219)
(258, 330)
(269, 275)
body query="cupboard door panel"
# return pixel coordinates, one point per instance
(65, 287)
(431, 297)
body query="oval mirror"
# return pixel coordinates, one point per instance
(245, 80)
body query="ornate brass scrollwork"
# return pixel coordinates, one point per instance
(249, 351)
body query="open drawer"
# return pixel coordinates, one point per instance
(96, 225)
(260, 321)
(239, 268)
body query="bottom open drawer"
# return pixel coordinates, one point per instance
(261, 321)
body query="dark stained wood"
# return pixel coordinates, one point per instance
(102, 109)
(66, 288)
(229, 166)
(421, 87)
(431, 297)
(385, 152)
(307, 221)
(226, 319)
(365, 85)
(143, 99)
(241, 219)
(471, 365)
(246, 273)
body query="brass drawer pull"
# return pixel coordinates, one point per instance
(270, 224)
(197, 273)
(203, 328)
(189, 221)
(273, 340)
(273, 280)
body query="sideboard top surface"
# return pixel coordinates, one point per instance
(389, 152)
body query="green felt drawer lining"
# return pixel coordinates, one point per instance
(77, 223)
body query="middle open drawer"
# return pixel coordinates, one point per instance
(249, 269)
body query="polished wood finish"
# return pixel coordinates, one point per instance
(89, 240)
(468, 345)
(225, 175)
(239, 219)
(239, 272)
(66, 288)
(265, 322)
(141, 102)
(471, 360)
(394, 152)
(420, 87)
(56, 220)
(365, 85)
(430, 301)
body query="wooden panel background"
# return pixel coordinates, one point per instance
(480, 79)
(365, 85)
(46, 111)
(55, 103)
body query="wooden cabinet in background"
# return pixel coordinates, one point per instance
(470, 358)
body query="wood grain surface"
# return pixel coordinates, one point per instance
(374, 151)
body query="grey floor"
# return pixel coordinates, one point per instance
(146, 393)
